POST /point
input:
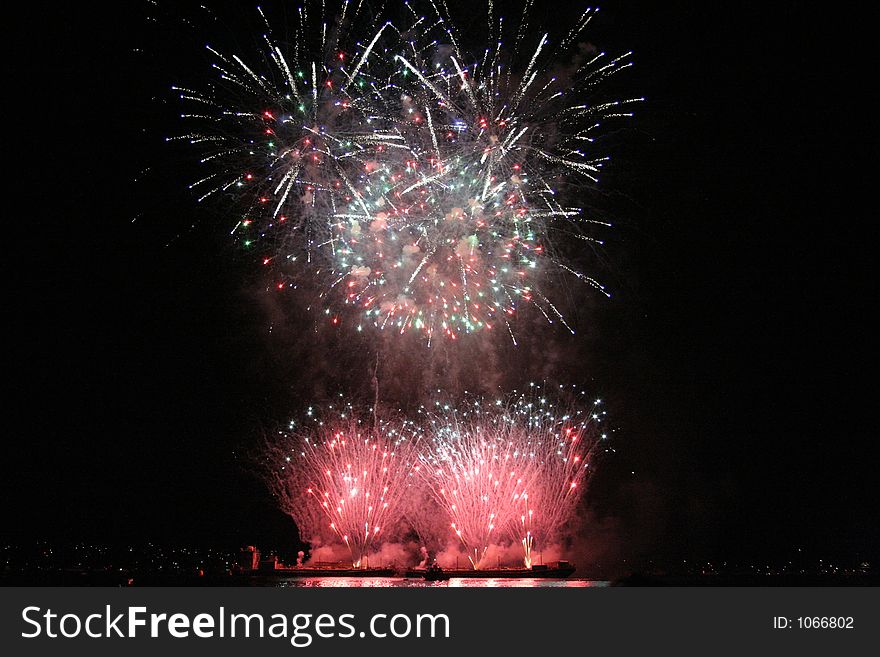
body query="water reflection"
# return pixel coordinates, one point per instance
(455, 582)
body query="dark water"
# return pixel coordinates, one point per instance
(403, 582)
(64, 578)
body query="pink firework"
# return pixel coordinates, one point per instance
(512, 470)
(344, 478)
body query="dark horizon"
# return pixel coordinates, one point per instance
(732, 355)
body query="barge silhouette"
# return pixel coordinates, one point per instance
(555, 570)
(252, 565)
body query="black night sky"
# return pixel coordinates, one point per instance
(735, 356)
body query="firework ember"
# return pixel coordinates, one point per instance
(426, 182)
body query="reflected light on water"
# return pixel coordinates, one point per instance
(456, 582)
(340, 582)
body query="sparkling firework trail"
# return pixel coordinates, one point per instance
(345, 475)
(515, 468)
(421, 183)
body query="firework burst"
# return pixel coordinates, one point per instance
(512, 469)
(427, 184)
(344, 476)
